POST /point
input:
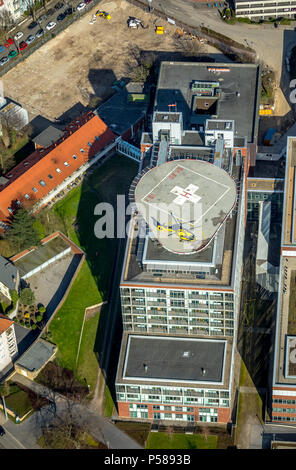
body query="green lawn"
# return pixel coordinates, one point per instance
(75, 214)
(87, 365)
(67, 323)
(19, 402)
(161, 440)
(108, 403)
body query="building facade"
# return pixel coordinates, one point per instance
(283, 394)
(264, 9)
(183, 308)
(8, 344)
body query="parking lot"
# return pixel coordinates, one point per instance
(84, 60)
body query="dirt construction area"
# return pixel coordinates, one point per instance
(83, 61)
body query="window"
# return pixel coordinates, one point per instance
(156, 415)
(27, 196)
(10, 210)
(42, 183)
(35, 190)
(74, 157)
(82, 151)
(89, 144)
(50, 177)
(156, 407)
(190, 417)
(66, 163)
(58, 170)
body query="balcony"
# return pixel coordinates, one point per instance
(216, 297)
(156, 303)
(157, 321)
(155, 294)
(179, 330)
(158, 329)
(137, 294)
(155, 311)
(195, 304)
(197, 296)
(217, 305)
(176, 313)
(140, 303)
(198, 313)
(199, 331)
(177, 321)
(200, 322)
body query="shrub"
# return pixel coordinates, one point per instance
(34, 326)
(39, 318)
(14, 296)
(27, 296)
(22, 322)
(42, 309)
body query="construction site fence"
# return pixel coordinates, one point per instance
(221, 42)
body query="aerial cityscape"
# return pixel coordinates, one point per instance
(148, 227)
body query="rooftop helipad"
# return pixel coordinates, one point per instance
(185, 202)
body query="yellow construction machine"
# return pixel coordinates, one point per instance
(105, 15)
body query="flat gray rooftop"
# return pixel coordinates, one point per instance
(48, 136)
(119, 114)
(8, 273)
(237, 100)
(185, 202)
(174, 359)
(40, 255)
(37, 356)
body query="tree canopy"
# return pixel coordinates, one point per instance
(22, 233)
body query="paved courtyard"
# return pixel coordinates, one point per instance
(49, 285)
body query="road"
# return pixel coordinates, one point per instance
(100, 428)
(264, 39)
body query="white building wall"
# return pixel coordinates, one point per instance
(8, 347)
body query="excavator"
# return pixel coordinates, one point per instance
(102, 13)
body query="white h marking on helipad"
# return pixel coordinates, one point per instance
(186, 194)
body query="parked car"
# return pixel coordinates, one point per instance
(39, 33)
(59, 5)
(61, 17)
(22, 45)
(50, 25)
(2, 48)
(12, 54)
(42, 18)
(18, 36)
(32, 25)
(87, 1)
(69, 11)
(8, 42)
(80, 6)
(4, 60)
(30, 39)
(2, 431)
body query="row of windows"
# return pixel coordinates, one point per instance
(284, 418)
(176, 417)
(177, 408)
(284, 410)
(284, 401)
(50, 176)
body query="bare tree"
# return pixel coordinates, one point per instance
(31, 8)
